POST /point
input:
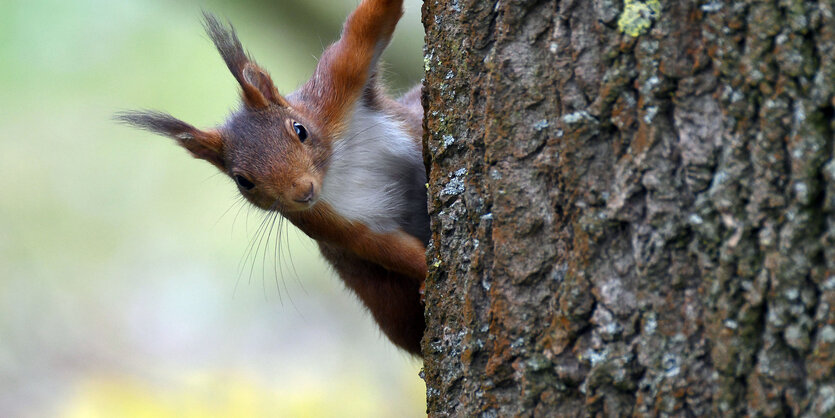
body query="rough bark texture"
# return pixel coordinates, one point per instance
(630, 225)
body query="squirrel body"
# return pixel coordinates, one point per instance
(338, 158)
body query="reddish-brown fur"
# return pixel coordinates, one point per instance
(389, 296)
(384, 269)
(343, 69)
(395, 251)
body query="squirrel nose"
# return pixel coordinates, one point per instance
(304, 196)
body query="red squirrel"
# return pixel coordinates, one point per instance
(337, 157)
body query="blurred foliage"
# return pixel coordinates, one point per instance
(128, 286)
(227, 396)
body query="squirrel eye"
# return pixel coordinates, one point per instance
(243, 182)
(300, 131)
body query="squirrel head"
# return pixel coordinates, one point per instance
(274, 151)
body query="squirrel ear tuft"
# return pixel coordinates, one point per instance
(258, 88)
(201, 144)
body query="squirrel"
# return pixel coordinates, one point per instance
(338, 158)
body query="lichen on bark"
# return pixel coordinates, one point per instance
(630, 225)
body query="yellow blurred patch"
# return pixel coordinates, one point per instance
(220, 395)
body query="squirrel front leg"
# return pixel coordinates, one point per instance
(396, 251)
(346, 66)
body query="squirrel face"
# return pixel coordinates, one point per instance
(276, 157)
(272, 149)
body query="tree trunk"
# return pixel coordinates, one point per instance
(633, 207)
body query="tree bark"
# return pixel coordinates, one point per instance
(633, 207)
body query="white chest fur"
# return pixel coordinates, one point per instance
(369, 168)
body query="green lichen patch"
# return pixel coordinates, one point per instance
(638, 16)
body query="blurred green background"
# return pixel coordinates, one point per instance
(121, 291)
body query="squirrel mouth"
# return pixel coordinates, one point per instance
(308, 197)
(304, 201)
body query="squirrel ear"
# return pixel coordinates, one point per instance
(201, 144)
(258, 88)
(256, 77)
